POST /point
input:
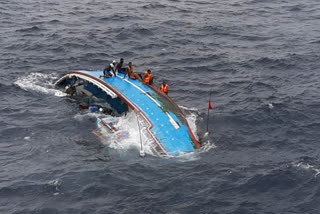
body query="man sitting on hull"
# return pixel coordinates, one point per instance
(131, 74)
(119, 67)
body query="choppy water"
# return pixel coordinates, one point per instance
(260, 58)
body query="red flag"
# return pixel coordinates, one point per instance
(210, 106)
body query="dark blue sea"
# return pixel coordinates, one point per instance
(260, 58)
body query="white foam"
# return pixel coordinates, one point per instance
(192, 116)
(207, 146)
(39, 82)
(191, 119)
(189, 108)
(130, 124)
(126, 123)
(307, 166)
(187, 157)
(27, 138)
(55, 182)
(81, 117)
(270, 105)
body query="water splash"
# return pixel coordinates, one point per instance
(56, 183)
(307, 166)
(192, 117)
(126, 137)
(207, 146)
(39, 82)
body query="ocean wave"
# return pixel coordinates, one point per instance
(155, 5)
(54, 21)
(30, 29)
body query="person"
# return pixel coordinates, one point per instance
(111, 68)
(119, 66)
(164, 87)
(148, 78)
(130, 72)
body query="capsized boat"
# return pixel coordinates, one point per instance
(163, 123)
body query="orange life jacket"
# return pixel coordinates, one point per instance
(164, 88)
(147, 77)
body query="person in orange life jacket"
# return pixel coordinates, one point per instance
(119, 66)
(164, 87)
(111, 68)
(130, 72)
(148, 78)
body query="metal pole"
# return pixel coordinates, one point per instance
(142, 153)
(208, 113)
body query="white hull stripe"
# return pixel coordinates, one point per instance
(97, 83)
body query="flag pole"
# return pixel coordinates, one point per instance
(208, 111)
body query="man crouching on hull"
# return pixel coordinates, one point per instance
(110, 70)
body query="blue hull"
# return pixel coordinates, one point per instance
(167, 123)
